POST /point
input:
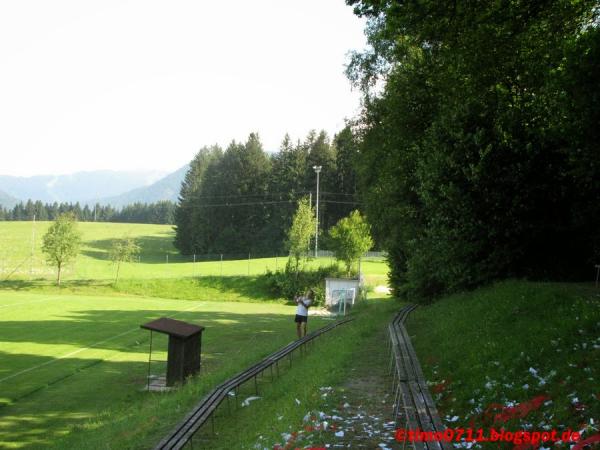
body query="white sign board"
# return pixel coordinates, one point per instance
(341, 292)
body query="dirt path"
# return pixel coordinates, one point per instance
(356, 414)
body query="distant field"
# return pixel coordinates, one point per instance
(67, 359)
(158, 257)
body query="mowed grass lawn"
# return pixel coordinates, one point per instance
(67, 361)
(158, 257)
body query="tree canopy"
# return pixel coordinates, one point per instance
(301, 232)
(479, 139)
(123, 250)
(159, 212)
(242, 199)
(349, 239)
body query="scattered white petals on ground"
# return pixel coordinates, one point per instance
(352, 426)
(464, 444)
(248, 400)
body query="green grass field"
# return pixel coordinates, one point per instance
(73, 359)
(67, 359)
(158, 258)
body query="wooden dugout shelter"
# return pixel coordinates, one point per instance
(185, 345)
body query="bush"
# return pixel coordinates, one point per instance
(287, 283)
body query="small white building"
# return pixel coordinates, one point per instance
(341, 293)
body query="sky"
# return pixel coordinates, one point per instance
(142, 85)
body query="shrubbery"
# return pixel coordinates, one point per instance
(288, 283)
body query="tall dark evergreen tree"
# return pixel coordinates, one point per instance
(287, 184)
(243, 200)
(186, 238)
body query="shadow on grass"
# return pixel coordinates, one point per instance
(153, 249)
(208, 288)
(113, 329)
(48, 395)
(42, 284)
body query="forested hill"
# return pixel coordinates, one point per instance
(242, 199)
(160, 212)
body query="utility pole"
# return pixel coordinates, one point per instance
(317, 170)
(32, 246)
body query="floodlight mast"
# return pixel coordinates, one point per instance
(317, 169)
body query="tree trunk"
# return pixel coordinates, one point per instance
(58, 276)
(118, 267)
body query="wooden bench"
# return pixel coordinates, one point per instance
(414, 405)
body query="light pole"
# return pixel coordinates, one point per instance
(317, 169)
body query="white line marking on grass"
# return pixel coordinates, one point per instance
(25, 303)
(86, 348)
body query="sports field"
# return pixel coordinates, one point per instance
(65, 360)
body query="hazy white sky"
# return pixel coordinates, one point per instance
(143, 84)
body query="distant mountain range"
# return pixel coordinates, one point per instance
(167, 188)
(8, 201)
(104, 186)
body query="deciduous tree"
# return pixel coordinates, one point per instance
(61, 242)
(300, 233)
(349, 239)
(123, 250)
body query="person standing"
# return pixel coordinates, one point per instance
(303, 303)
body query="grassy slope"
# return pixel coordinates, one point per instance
(495, 345)
(156, 243)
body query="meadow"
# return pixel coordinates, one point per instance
(73, 359)
(21, 256)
